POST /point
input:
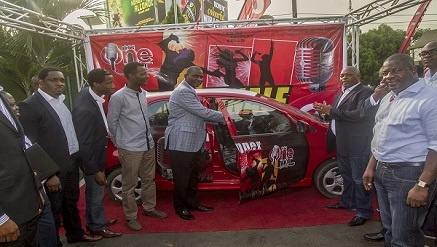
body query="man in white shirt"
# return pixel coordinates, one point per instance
(90, 123)
(47, 121)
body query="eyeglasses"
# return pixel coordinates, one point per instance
(393, 71)
(428, 53)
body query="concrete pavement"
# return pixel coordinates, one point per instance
(327, 235)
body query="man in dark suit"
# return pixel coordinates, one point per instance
(20, 202)
(91, 127)
(350, 133)
(47, 121)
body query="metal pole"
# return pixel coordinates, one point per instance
(294, 8)
(108, 17)
(175, 6)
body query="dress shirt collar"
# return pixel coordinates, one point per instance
(99, 99)
(1, 88)
(344, 90)
(188, 85)
(134, 91)
(414, 88)
(48, 97)
(429, 78)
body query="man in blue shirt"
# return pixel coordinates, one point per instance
(404, 151)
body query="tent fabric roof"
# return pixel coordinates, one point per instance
(429, 36)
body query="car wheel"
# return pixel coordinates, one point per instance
(113, 181)
(328, 180)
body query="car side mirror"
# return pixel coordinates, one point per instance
(302, 127)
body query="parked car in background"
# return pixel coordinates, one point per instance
(265, 145)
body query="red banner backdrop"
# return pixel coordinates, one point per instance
(296, 64)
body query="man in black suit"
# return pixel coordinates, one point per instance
(350, 134)
(20, 202)
(47, 121)
(91, 127)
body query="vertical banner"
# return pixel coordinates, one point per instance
(192, 10)
(131, 13)
(295, 64)
(215, 10)
(253, 9)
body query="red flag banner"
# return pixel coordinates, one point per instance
(412, 27)
(253, 9)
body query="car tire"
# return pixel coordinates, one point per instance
(328, 180)
(114, 182)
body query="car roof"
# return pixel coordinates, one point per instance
(210, 91)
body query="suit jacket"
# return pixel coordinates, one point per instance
(91, 132)
(353, 127)
(19, 195)
(186, 130)
(42, 125)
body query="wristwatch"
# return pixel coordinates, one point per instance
(422, 184)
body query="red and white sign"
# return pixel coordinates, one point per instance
(295, 64)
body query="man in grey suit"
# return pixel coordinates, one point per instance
(350, 133)
(185, 137)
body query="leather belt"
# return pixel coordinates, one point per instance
(398, 165)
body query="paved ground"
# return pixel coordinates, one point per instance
(328, 235)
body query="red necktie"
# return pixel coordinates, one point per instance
(392, 98)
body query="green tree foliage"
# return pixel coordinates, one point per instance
(169, 18)
(23, 53)
(375, 46)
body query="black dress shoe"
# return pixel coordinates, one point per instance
(111, 222)
(185, 214)
(105, 233)
(336, 206)
(357, 221)
(378, 236)
(203, 208)
(84, 238)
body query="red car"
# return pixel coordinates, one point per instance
(265, 145)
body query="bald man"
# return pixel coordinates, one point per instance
(349, 134)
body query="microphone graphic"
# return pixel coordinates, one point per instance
(111, 54)
(314, 62)
(275, 153)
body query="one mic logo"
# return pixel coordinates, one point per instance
(112, 54)
(314, 62)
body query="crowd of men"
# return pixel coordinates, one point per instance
(385, 138)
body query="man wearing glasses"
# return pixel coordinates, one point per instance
(429, 60)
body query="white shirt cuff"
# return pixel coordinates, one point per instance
(3, 219)
(373, 102)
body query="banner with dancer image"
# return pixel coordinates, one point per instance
(295, 64)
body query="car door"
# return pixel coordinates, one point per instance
(268, 150)
(158, 112)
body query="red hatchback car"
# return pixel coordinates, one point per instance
(265, 145)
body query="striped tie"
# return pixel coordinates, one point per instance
(6, 112)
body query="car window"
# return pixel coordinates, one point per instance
(158, 113)
(250, 117)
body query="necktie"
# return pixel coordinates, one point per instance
(392, 98)
(7, 113)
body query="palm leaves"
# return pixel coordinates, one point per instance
(23, 54)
